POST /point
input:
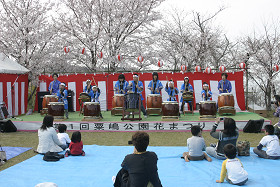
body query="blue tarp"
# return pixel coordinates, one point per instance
(12, 152)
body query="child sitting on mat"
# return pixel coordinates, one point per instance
(196, 146)
(232, 168)
(63, 136)
(76, 145)
(271, 142)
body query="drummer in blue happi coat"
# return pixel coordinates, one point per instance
(62, 97)
(94, 95)
(155, 85)
(224, 85)
(171, 90)
(88, 87)
(136, 86)
(186, 89)
(121, 85)
(206, 94)
(54, 85)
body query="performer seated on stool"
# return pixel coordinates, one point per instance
(155, 85)
(88, 87)
(54, 85)
(137, 87)
(121, 85)
(62, 97)
(186, 87)
(94, 94)
(224, 85)
(206, 94)
(171, 90)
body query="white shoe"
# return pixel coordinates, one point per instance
(145, 116)
(114, 179)
(127, 116)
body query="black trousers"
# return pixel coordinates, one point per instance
(122, 179)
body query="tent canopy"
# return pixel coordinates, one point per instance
(9, 66)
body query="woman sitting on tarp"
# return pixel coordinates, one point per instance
(48, 140)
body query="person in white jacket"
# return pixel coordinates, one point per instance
(48, 140)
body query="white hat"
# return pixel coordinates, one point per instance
(63, 84)
(186, 78)
(205, 85)
(135, 76)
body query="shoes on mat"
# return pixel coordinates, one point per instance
(66, 154)
(83, 154)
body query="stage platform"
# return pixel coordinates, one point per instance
(152, 123)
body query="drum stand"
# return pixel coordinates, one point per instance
(187, 99)
(154, 111)
(117, 111)
(133, 112)
(226, 110)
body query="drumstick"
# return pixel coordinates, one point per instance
(51, 88)
(227, 90)
(94, 81)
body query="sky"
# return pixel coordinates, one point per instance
(240, 17)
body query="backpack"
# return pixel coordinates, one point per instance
(243, 148)
(52, 156)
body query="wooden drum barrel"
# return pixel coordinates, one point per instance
(47, 99)
(118, 101)
(154, 101)
(170, 108)
(225, 100)
(56, 109)
(92, 109)
(208, 108)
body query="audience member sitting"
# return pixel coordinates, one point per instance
(140, 168)
(232, 168)
(76, 145)
(196, 146)
(271, 142)
(63, 136)
(48, 140)
(228, 135)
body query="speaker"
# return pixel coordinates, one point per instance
(70, 101)
(3, 111)
(253, 126)
(7, 126)
(40, 97)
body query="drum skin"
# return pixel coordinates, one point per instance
(170, 109)
(154, 101)
(47, 99)
(56, 109)
(84, 97)
(225, 100)
(118, 101)
(92, 109)
(208, 108)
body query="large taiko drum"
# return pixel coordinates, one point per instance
(84, 97)
(225, 100)
(132, 100)
(208, 108)
(56, 109)
(170, 108)
(91, 109)
(154, 101)
(47, 99)
(118, 101)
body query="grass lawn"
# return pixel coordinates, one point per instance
(30, 139)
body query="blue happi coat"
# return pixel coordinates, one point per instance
(55, 86)
(87, 90)
(117, 87)
(171, 93)
(190, 89)
(207, 97)
(62, 97)
(225, 85)
(94, 95)
(158, 87)
(140, 85)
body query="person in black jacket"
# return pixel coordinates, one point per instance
(140, 168)
(227, 136)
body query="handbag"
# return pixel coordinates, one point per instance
(3, 156)
(52, 156)
(243, 148)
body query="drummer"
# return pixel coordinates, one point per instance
(54, 85)
(136, 86)
(186, 88)
(206, 94)
(171, 90)
(62, 97)
(224, 85)
(94, 94)
(155, 85)
(121, 85)
(88, 87)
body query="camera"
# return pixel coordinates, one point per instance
(130, 142)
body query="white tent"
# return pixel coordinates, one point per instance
(9, 66)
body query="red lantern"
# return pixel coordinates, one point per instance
(208, 70)
(184, 68)
(66, 50)
(83, 51)
(197, 69)
(100, 55)
(242, 65)
(140, 59)
(222, 68)
(119, 57)
(276, 67)
(160, 64)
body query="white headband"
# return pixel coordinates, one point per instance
(135, 76)
(88, 80)
(171, 82)
(186, 78)
(94, 86)
(205, 84)
(62, 84)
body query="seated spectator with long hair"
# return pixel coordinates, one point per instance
(227, 136)
(140, 168)
(48, 140)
